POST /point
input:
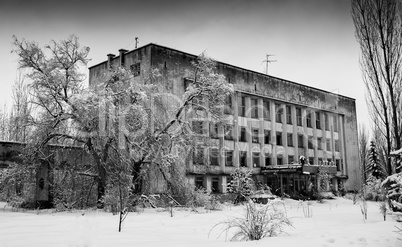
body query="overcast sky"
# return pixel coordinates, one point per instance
(312, 40)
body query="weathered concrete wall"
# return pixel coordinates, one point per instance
(175, 65)
(58, 158)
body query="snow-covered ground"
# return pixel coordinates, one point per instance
(334, 223)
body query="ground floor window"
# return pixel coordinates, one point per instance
(215, 184)
(199, 182)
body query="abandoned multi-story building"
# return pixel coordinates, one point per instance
(270, 124)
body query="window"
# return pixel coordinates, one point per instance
(214, 157)
(279, 160)
(288, 115)
(254, 108)
(279, 112)
(290, 140)
(300, 141)
(317, 120)
(326, 122)
(311, 160)
(229, 158)
(319, 143)
(267, 136)
(213, 130)
(198, 156)
(328, 144)
(291, 159)
(242, 136)
(266, 111)
(338, 165)
(268, 160)
(228, 132)
(299, 116)
(215, 185)
(228, 105)
(242, 106)
(135, 69)
(329, 161)
(198, 103)
(336, 145)
(256, 159)
(319, 161)
(243, 158)
(310, 142)
(197, 127)
(308, 119)
(279, 138)
(199, 182)
(255, 136)
(336, 123)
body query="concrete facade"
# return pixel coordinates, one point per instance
(270, 122)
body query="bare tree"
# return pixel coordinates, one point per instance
(378, 29)
(4, 123)
(110, 119)
(363, 150)
(20, 111)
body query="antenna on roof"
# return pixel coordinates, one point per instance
(268, 61)
(136, 42)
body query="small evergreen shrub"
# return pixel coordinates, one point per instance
(240, 185)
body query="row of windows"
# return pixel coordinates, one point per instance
(279, 113)
(255, 134)
(199, 159)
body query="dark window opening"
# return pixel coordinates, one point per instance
(308, 120)
(229, 158)
(279, 138)
(290, 139)
(267, 136)
(279, 113)
(254, 108)
(290, 159)
(199, 182)
(135, 69)
(242, 137)
(243, 158)
(317, 120)
(214, 157)
(256, 159)
(255, 136)
(279, 161)
(288, 115)
(310, 142)
(242, 106)
(299, 116)
(300, 141)
(215, 185)
(266, 111)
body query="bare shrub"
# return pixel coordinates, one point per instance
(259, 221)
(383, 210)
(363, 207)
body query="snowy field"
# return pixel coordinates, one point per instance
(334, 223)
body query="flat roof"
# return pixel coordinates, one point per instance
(230, 65)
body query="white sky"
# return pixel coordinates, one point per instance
(313, 40)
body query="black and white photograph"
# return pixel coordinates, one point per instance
(201, 123)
